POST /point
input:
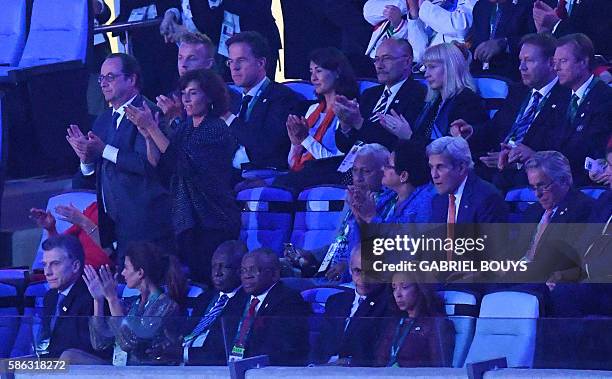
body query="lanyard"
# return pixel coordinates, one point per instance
(244, 316)
(584, 95)
(256, 97)
(398, 339)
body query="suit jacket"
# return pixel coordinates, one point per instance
(591, 17)
(516, 20)
(264, 134)
(558, 246)
(71, 329)
(408, 102)
(588, 134)
(218, 343)
(135, 205)
(256, 15)
(280, 329)
(359, 338)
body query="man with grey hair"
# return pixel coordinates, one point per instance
(548, 242)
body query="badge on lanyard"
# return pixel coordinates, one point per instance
(236, 354)
(119, 356)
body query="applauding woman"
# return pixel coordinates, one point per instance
(198, 161)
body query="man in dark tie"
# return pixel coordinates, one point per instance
(588, 125)
(67, 304)
(351, 324)
(135, 204)
(258, 121)
(398, 93)
(528, 121)
(274, 320)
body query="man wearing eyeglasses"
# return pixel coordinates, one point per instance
(398, 93)
(553, 225)
(135, 204)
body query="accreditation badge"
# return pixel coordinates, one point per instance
(236, 354)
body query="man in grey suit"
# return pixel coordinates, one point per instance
(133, 204)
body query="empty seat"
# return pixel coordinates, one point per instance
(506, 328)
(317, 297)
(12, 31)
(493, 90)
(33, 305)
(318, 216)
(461, 307)
(9, 320)
(267, 215)
(80, 199)
(303, 88)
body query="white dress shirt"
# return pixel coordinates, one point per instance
(458, 195)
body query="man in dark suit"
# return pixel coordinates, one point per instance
(466, 204)
(496, 31)
(258, 121)
(530, 117)
(274, 321)
(135, 205)
(351, 323)
(588, 125)
(67, 304)
(591, 17)
(398, 92)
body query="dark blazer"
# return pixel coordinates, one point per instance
(557, 248)
(208, 21)
(591, 17)
(280, 329)
(71, 329)
(136, 205)
(516, 20)
(408, 102)
(588, 134)
(359, 338)
(466, 105)
(218, 343)
(256, 15)
(264, 134)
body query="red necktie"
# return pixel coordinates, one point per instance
(246, 323)
(561, 10)
(450, 225)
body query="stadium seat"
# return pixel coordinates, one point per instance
(317, 297)
(364, 84)
(506, 327)
(79, 199)
(12, 31)
(9, 320)
(593, 192)
(267, 214)
(318, 216)
(234, 88)
(33, 304)
(518, 200)
(302, 87)
(493, 90)
(461, 307)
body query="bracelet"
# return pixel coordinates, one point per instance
(92, 230)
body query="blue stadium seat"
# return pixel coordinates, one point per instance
(234, 88)
(317, 297)
(493, 90)
(80, 199)
(461, 308)
(12, 31)
(518, 200)
(364, 84)
(33, 305)
(318, 216)
(267, 215)
(506, 328)
(9, 320)
(593, 192)
(302, 87)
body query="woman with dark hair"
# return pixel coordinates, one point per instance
(407, 192)
(145, 269)
(198, 161)
(419, 335)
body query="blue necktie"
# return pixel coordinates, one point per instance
(210, 317)
(521, 126)
(58, 307)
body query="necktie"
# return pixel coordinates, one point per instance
(211, 316)
(244, 107)
(58, 307)
(538, 235)
(381, 106)
(246, 323)
(521, 126)
(450, 224)
(495, 18)
(573, 108)
(348, 319)
(116, 116)
(561, 9)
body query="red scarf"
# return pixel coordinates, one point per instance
(299, 160)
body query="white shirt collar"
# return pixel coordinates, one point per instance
(580, 92)
(460, 189)
(547, 88)
(261, 297)
(395, 89)
(229, 294)
(253, 91)
(67, 290)
(121, 109)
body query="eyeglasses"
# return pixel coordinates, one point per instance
(253, 270)
(386, 59)
(109, 77)
(239, 62)
(542, 187)
(389, 167)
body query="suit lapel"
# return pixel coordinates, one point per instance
(465, 205)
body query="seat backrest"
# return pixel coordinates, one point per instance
(267, 215)
(506, 327)
(9, 322)
(33, 306)
(493, 91)
(364, 84)
(462, 309)
(303, 88)
(80, 199)
(58, 32)
(12, 31)
(593, 192)
(318, 216)
(459, 303)
(317, 297)
(518, 200)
